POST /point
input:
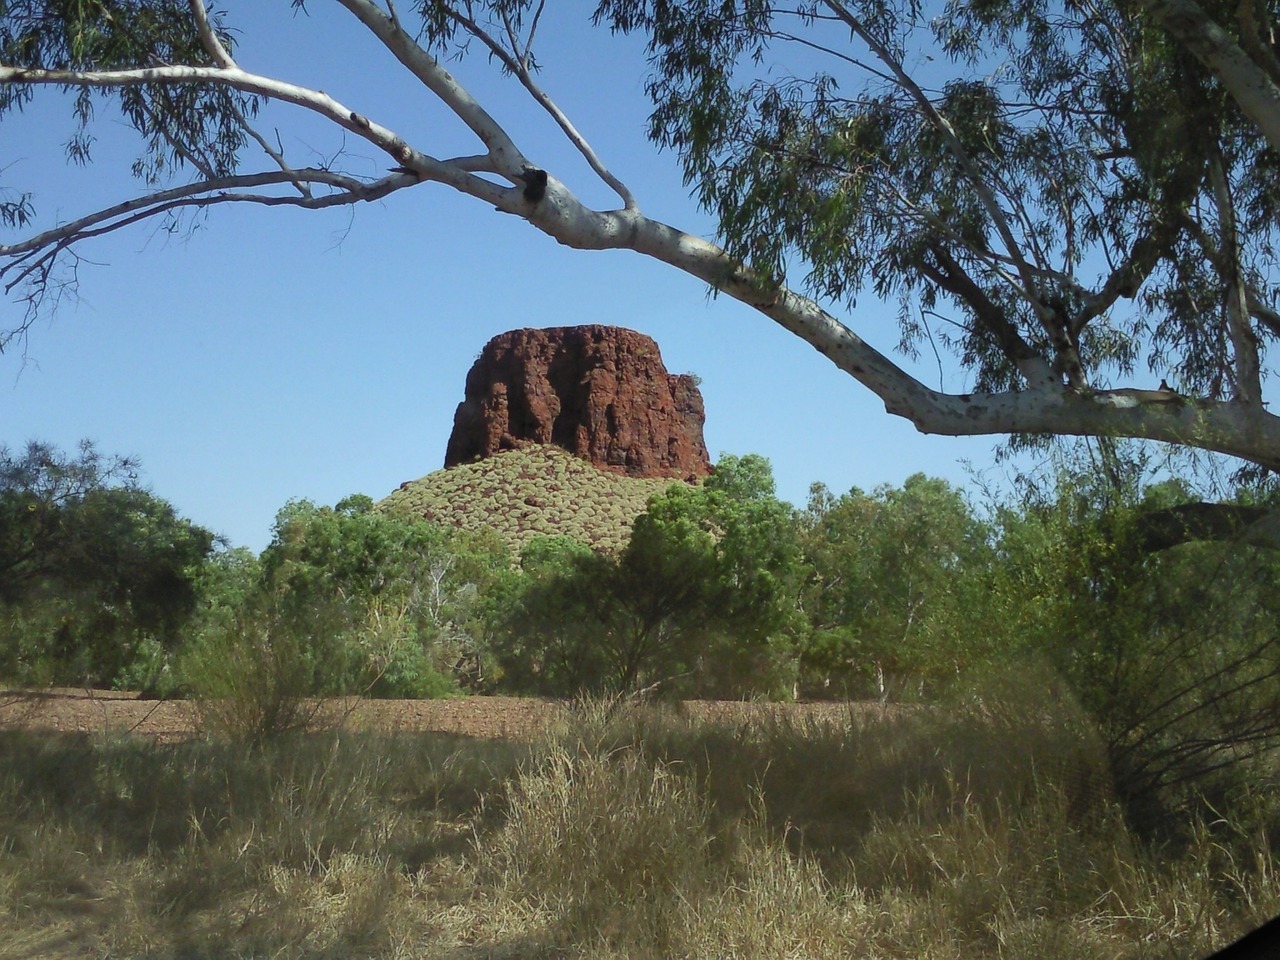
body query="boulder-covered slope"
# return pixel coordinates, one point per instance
(602, 393)
(528, 492)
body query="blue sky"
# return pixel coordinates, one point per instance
(274, 354)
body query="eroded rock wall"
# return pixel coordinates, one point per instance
(600, 392)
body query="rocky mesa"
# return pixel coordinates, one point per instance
(600, 392)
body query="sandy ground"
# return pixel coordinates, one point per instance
(107, 711)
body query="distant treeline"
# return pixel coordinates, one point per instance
(1163, 635)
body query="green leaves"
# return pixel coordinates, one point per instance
(402, 598)
(898, 586)
(193, 126)
(1012, 171)
(90, 565)
(1172, 650)
(701, 601)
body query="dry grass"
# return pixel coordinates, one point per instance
(636, 833)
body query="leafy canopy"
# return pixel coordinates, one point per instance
(1028, 178)
(188, 128)
(898, 588)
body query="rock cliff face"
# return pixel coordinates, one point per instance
(602, 393)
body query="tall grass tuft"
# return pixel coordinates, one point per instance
(609, 845)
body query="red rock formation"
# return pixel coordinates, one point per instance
(602, 393)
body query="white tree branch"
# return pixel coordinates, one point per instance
(208, 38)
(1264, 314)
(1244, 345)
(506, 158)
(234, 77)
(425, 167)
(275, 154)
(520, 68)
(1229, 427)
(149, 204)
(1249, 83)
(1046, 406)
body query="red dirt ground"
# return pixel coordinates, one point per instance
(108, 711)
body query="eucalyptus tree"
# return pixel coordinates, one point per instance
(1057, 193)
(1168, 641)
(899, 596)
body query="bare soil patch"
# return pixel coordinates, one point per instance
(69, 710)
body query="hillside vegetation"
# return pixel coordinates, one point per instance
(536, 491)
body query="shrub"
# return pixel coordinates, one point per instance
(256, 679)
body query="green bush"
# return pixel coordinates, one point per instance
(95, 572)
(899, 599)
(397, 663)
(1173, 651)
(259, 676)
(700, 603)
(410, 593)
